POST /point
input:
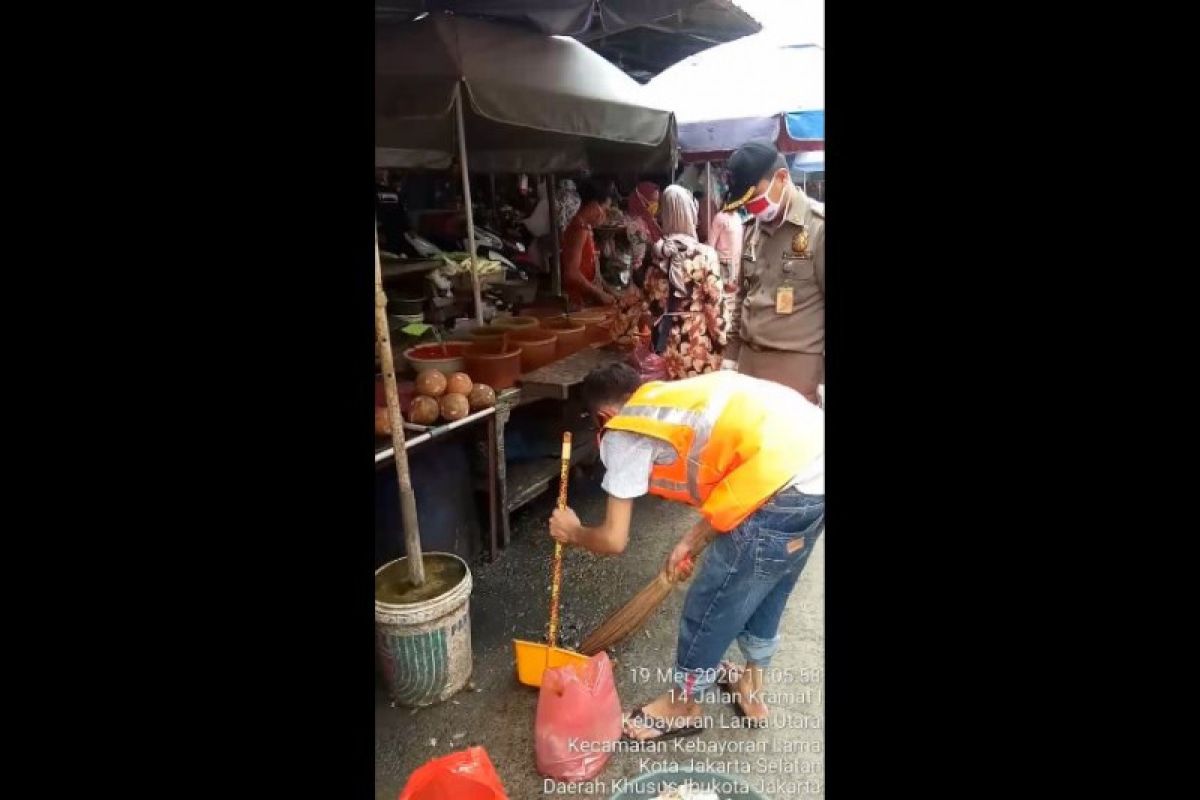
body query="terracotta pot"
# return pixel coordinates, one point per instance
(571, 337)
(447, 357)
(597, 324)
(541, 312)
(538, 347)
(515, 323)
(487, 333)
(498, 370)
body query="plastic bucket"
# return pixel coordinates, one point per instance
(652, 784)
(424, 648)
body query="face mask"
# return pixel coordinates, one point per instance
(763, 206)
(651, 208)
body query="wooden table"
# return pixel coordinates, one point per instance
(495, 458)
(556, 379)
(522, 482)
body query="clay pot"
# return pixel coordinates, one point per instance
(487, 333)
(571, 337)
(542, 312)
(497, 365)
(433, 356)
(515, 323)
(597, 324)
(538, 347)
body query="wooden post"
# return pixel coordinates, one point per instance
(408, 501)
(708, 196)
(495, 200)
(556, 268)
(466, 180)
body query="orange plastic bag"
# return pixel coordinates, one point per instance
(465, 775)
(578, 716)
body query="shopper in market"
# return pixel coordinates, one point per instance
(750, 455)
(643, 203)
(580, 260)
(778, 328)
(691, 335)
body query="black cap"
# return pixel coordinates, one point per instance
(748, 165)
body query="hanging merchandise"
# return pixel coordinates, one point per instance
(538, 223)
(567, 201)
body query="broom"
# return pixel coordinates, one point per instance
(629, 618)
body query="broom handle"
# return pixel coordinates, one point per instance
(556, 579)
(695, 552)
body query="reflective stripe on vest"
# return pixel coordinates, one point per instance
(702, 421)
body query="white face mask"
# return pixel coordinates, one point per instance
(763, 207)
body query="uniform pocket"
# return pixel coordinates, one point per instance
(798, 270)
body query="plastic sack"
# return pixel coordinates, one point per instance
(576, 707)
(464, 775)
(650, 365)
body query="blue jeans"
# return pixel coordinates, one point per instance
(743, 585)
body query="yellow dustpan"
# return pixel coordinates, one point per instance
(533, 658)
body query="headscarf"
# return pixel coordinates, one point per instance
(638, 200)
(678, 212)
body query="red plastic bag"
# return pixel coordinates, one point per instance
(650, 365)
(578, 719)
(465, 775)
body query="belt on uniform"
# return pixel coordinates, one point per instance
(758, 348)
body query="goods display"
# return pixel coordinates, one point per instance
(630, 320)
(423, 410)
(459, 383)
(481, 396)
(431, 383)
(454, 406)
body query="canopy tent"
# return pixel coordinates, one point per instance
(810, 161)
(763, 88)
(564, 17)
(505, 100)
(533, 103)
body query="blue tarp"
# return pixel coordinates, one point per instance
(803, 125)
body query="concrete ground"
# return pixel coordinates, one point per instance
(510, 601)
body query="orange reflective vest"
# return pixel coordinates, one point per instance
(738, 440)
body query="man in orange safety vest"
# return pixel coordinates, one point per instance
(750, 455)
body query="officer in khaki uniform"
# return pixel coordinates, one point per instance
(778, 330)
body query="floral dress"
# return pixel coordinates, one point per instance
(697, 307)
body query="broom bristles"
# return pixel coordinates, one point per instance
(629, 618)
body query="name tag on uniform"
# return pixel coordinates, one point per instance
(783, 300)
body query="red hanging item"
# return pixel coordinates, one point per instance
(465, 775)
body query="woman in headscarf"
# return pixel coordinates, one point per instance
(580, 261)
(694, 328)
(643, 206)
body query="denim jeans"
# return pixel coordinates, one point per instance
(743, 585)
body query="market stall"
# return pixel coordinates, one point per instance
(472, 96)
(502, 100)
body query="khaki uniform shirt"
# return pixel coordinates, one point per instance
(789, 255)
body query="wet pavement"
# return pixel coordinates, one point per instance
(510, 600)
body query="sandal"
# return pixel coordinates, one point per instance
(732, 674)
(666, 731)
